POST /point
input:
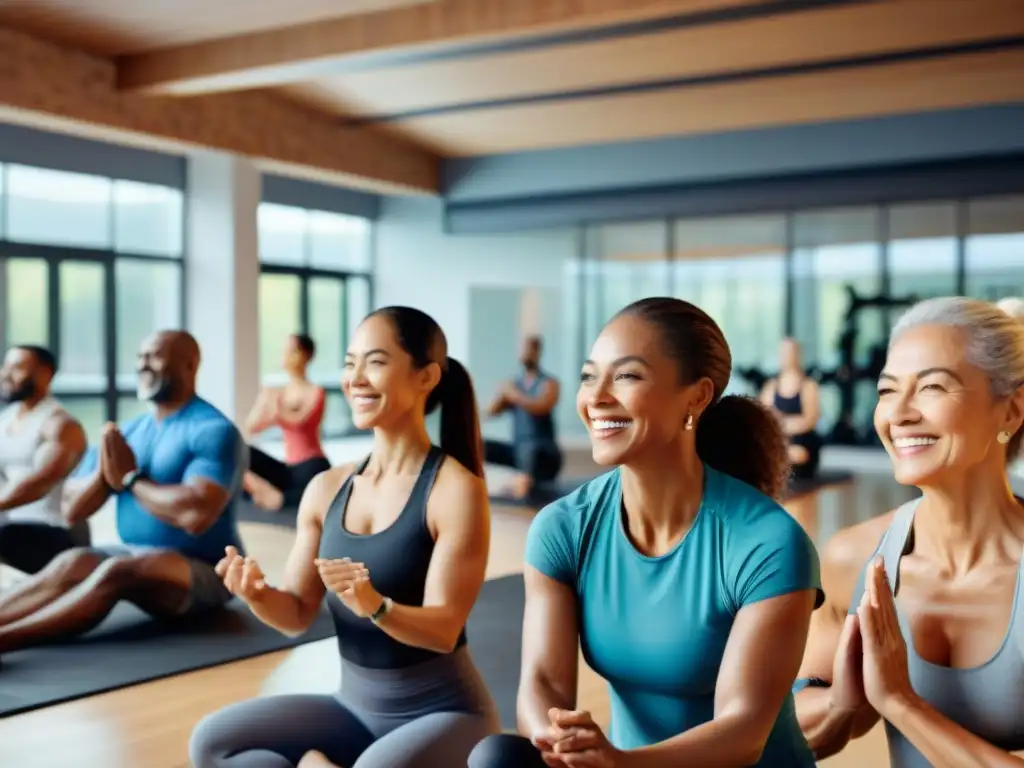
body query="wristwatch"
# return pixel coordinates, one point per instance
(130, 479)
(384, 610)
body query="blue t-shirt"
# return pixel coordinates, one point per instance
(655, 628)
(196, 441)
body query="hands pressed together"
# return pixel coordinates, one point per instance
(574, 740)
(116, 458)
(871, 661)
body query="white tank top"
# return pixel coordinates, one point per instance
(19, 440)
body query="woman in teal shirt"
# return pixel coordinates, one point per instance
(690, 588)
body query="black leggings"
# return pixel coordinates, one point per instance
(542, 461)
(506, 750)
(290, 479)
(29, 547)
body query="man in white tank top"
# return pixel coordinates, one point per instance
(40, 445)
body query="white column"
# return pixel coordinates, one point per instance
(222, 278)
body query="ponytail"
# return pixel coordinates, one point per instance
(740, 437)
(460, 424)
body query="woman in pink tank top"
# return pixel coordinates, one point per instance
(297, 409)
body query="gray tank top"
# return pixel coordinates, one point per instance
(985, 700)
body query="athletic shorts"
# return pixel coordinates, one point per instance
(206, 592)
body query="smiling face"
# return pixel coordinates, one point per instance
(936, 415)
(631, 398)
(380, 381)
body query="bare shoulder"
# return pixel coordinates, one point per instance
(63, 426)
(844, 556)
(458, 494)
(322, 489)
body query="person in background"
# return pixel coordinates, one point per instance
(924, 621)
(688, 586)
(531, 399)
(795, 398)
(297, 409)
(40, 446)
(176, 475)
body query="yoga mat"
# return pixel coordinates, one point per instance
(544, 494)
(128, 648)
(247, 512)
(803, 486)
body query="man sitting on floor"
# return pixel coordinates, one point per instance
(176, 474)
(40, 445)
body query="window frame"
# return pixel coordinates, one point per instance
(108, 258)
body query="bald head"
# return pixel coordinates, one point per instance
(1013, 306)
(168, 365)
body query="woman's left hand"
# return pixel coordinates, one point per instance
(580, 743)
(886, 675)
(351, 583)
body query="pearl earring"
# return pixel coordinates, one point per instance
(689, 421)
(1003, 437)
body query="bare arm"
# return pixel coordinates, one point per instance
(499, 404)
(263, 412)
(543, 403)
(457, 567)
(754, 679)
(62, 445)
(767, 396)
(292, 608)
(550, 665)
(87, 500)
(945, 744)
(827, 724)
(192, 506)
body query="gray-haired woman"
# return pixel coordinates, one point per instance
(943, 662)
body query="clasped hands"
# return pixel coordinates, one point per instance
(871, 661)
(116, 458)
(574, 740)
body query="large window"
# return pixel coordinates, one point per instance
(834, 279)
(315, 279)
(88, 267)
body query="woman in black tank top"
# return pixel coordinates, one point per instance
(398, 545)
(794, 398)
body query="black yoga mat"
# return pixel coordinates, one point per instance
(801, 486)
(247, 512)
(128, 649)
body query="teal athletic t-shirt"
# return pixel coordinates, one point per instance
(655, 628)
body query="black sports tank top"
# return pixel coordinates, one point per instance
(792, 405)
(397, 557)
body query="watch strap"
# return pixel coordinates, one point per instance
(385, 608)
(130, 479)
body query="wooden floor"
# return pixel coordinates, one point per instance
(148, 726)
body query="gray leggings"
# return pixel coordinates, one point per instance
(433, 714)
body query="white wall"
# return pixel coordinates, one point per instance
(418, 264)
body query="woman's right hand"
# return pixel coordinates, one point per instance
(242, 576)
(847, 690)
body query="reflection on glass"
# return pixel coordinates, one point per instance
(734, 269)
(282, 234)
(994, 258)
(83, 349)
(91, 413)
(28, 302)
(630, 262)
(339, 242)
(280, 316)
(148, 219)
(327, 326)
(148, 300)
(57, 207)
(922, 251)
(835, 252)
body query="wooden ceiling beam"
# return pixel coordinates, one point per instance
(308, 51)
(47, 85)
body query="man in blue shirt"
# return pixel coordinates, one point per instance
(175, 473)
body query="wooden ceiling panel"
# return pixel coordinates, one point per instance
(782, 40)
(118, 27)
(944, 83)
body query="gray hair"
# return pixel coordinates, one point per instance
(995, 341)
(1013, 306)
